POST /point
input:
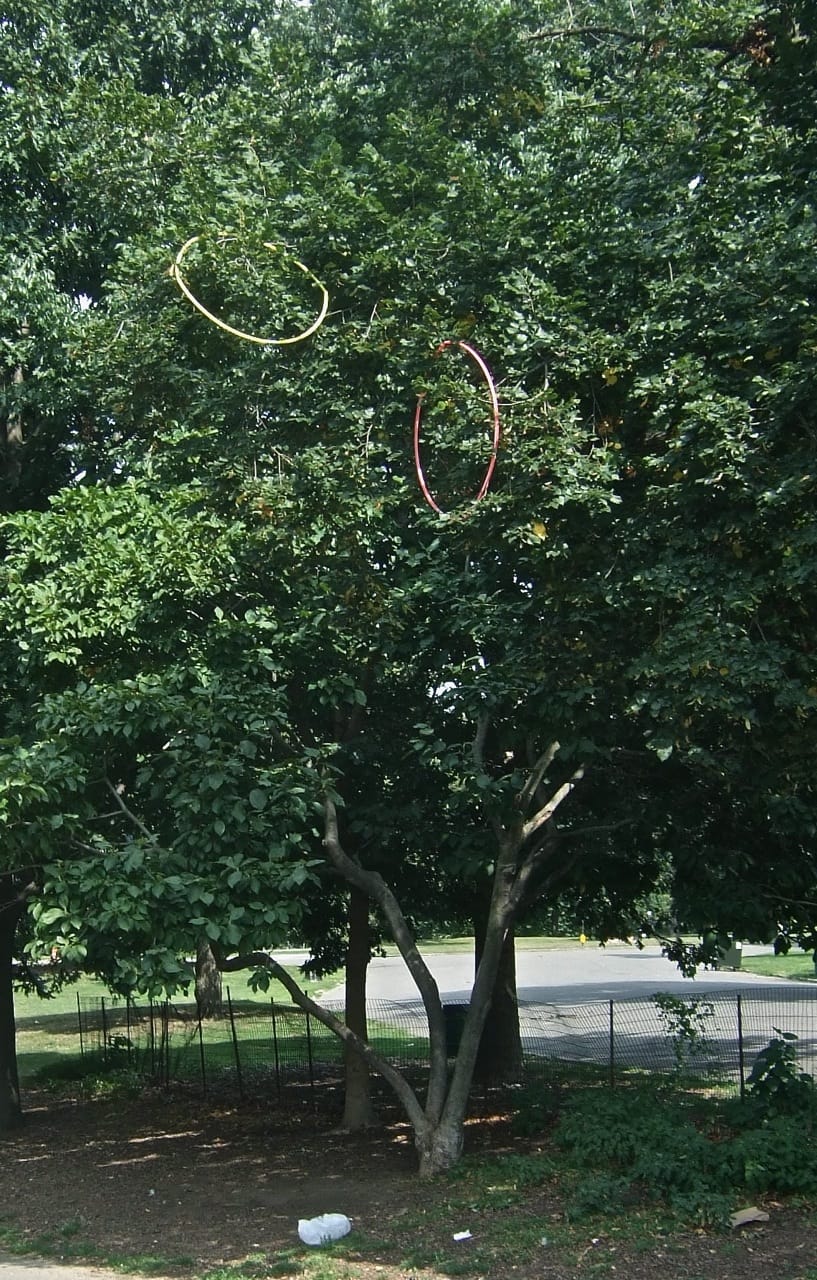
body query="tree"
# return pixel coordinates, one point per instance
(572, 200)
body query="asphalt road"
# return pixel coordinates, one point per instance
(578, 976)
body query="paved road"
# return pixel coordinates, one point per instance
(578, 976)
(35, 1269)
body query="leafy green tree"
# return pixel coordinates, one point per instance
(616, 213)
(70, 194)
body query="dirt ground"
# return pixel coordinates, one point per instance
(212, 1182)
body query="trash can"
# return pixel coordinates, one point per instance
(454, 1015)
(731, 958)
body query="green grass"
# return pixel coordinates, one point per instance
(67, 1243)
(797, 965)
(31, 1008)
(456, 944)
(48, 1033)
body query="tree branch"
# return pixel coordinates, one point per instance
(373, 884)
(259, 959)
(547, 811)
(140, 826)
(631, 37)
(533, 864)
(18, 902)
(561, 33)
(537, 773)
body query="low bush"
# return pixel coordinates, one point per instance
(691, 1153)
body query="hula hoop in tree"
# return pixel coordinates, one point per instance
(418, 414)
(176, 275)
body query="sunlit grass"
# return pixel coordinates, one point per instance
(48, 1029)
(797, 965)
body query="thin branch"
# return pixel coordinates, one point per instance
(15, 873)
(137, 822)
(561, 33)
(18, 902)
(599, 828)
(532, 865)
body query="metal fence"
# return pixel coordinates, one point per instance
(713, 1036)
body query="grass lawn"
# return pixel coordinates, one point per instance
(797, 965)
(48, 1029)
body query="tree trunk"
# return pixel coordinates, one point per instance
(10, 910)
(439, 1148)
(499, 1060)
(208, 981)
(358, 1111)
(14, 425)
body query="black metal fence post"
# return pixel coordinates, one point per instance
(309, 1058)
(612, 1046)
(235, 1047)
(741, 1060)
(275, 1052)
(79, 1024)
(201, 1058)
(166, 1043)
(152, 1016)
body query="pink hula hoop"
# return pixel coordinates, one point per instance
(418, 413)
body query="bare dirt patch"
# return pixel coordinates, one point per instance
(214, 1182)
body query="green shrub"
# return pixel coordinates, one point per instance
(778, 1156)
(95, 1073)
(650, 1140)
(598, 1194)
(776, 1086)
(685, 1022)
(535, 1110)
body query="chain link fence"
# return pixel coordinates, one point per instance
(256, 1046)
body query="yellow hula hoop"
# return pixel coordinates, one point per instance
(176, 274)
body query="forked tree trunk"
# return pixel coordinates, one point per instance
(438, 1115)
(208, 981)
(440, 1148)
(358, 1110)
(10, 910)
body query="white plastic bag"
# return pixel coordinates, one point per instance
(324, 1229)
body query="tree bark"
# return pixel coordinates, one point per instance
(11, 908)
(499, 1060)
(358, 1110)
(14, 425)
(208, 981)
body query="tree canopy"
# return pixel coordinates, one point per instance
(237, 641)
